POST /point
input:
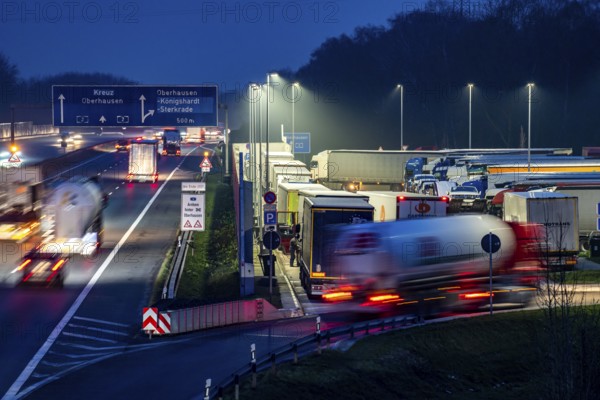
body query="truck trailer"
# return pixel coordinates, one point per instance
(559, 215)
(143, 161)
(392, 206)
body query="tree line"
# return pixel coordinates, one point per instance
(435, 52)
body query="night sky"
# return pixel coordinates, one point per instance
(226, 42)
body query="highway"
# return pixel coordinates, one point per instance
(45, 331)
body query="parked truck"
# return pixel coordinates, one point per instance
(432, 265)
(20, 203)
(320, 213)
(588, 198)
(338, 169)
(559, 215)
(143, 161)
(392, 206)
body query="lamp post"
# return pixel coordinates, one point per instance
(267, 185)
(470, 85)
(294, 88)
(529, 87)
(401, 87)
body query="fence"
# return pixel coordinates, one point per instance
(24, 129)
(308, 345)
(223, 314)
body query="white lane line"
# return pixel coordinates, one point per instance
(26, 373)
(110, 193)
(101, 321)
(117, 188)
(77, 335)
(79, 356)
(65, 364)
(91, 328)
(92, 348)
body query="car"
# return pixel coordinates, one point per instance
(43, 267)
(467, 195)
(122, 145)
(413, 184)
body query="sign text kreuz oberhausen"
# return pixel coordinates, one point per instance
(104, 106)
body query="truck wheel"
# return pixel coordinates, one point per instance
(584, 244)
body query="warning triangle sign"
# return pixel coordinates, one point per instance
(187, 224)
(197, 224)
(206, 163)
(14, 158)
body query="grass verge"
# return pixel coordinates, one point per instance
(474, 358)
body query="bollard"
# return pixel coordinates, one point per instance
(207, 389)
(273, 363)
(253, 385)
(236, 381)
(295, 347)
(319, 344)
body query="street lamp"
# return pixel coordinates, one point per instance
(470, 85)
(295, 86)
(530, 88)
(401, 87)
(268, 187)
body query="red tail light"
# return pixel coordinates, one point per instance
(337, 296)
(445, 199)
(477, 295)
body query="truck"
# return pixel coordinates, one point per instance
(171, 142)
(431, 264)
(588, 198)
(321, 213)
(559, 215)
(287, 200)
(20, 203)
(364, 169)
(392, 206)
(143, 161)
(73, 217)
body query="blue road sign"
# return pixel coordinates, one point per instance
(300, 141)
(271, 240)
(270, 217)
(112, 105)
(485, 243)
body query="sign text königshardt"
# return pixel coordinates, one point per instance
(134, 105)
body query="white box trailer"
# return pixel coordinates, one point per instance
(143, 157)
(393, 206)
(559, 215)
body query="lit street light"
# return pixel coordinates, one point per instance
(470, 85)
(529, 87)
(295, 85)
(401, 87)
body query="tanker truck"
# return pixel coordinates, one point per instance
(440, 260)
(72, 222)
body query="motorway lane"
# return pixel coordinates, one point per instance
(177, 367)
(114, 304)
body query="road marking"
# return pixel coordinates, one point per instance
(37, 358)
(77, 335)
(101, 321)
(65, 364)
(91, 328)
(79, 356)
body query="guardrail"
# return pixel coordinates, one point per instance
(308, 345)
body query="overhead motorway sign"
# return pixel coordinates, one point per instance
(123, 106)
(299, 140)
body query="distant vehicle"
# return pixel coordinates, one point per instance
(171, 142)
(122, 145)
(43, 268)
(466, 194)
(413, 184)
(143, 157)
